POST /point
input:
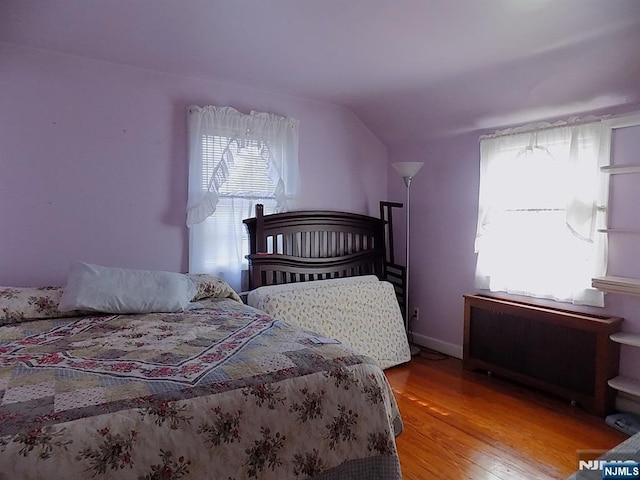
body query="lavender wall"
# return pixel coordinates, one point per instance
(94, 168)
(444, 202)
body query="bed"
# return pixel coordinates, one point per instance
(302, 246)
(216, 389)
(333, 273)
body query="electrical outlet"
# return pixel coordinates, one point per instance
(416, 314)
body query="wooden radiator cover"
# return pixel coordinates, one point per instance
(565, 353)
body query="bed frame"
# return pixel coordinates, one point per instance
(310, 245)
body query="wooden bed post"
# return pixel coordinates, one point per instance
(393, 273)
(261, 246)
(387, 218)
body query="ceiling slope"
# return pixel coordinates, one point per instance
(409, 69)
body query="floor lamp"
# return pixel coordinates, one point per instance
(407, 171)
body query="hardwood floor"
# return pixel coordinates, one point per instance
(466, 425)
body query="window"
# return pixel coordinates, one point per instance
(542, 197)
(235, 162)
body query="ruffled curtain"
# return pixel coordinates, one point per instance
(542, 198)
(220, 141)
(239, 128)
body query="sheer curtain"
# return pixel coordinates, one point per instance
(542, 198)
(235, 161)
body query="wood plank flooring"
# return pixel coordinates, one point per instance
(466, 425)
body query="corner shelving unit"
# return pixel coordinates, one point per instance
(621, 383)
(625, 286)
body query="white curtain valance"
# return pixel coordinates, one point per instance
(540, 126)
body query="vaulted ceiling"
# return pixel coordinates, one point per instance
(409, 69)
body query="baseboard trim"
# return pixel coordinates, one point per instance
(438, 345)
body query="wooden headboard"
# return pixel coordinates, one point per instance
(310, 245)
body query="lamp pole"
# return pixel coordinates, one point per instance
(408, 170)
(407, 182)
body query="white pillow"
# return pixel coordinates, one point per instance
(120, 290)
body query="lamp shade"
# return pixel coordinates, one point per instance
(407, 169)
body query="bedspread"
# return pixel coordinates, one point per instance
(226, 392)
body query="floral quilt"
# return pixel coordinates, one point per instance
(223, 392)
(362, 312)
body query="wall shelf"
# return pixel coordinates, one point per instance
(625, 384)
(620, 169)
(626, 338)
(617, 230)
(624, 285)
